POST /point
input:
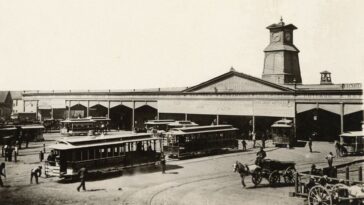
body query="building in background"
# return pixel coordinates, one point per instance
(249, 103)
(5, 105)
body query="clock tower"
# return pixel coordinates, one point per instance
(281, 63)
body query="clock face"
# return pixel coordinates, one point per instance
(288, 36)
(276, 37)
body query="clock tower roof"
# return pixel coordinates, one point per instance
(281, 25)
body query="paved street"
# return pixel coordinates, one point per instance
(206, 180)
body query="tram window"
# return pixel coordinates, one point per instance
(116, 151)
(97, 153)
(109, 151)
(91, 153)
(77, 155)
(122, 148)
(84, 154)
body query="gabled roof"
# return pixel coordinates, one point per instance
(16, 95)
(3, 96)
(265, 86)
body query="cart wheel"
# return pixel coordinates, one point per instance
(335, 189)
(289, 175)
(319, 195)
(257, 177)
(274, 178)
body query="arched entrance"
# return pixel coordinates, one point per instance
(121, 117)
(143, 114)
(78, 111)
(98, 111)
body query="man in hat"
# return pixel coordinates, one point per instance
(36, 172)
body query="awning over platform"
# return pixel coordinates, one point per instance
(275, 108)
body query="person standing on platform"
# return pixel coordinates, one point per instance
(41, 156)
(243, 142)
(330, 159)
(163, 164)
(82, 174)
(15, 154)
(254, 139)
(2, 172)
(310, 143)
(36, 172)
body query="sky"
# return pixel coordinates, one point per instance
(123, 44)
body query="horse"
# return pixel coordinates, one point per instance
(244, 170)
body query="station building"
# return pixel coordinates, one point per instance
(249, 103)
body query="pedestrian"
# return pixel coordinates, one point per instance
(41, 156)
(10, 154)
(15, 154)
(2, 172)
(163, 164)
(254, 139)
(330, 158)
(244, 144)
(44, 148)
(82, 174)
(35, 172)
(338, 148)
(264, 138)
(6, 152)
(310, 143)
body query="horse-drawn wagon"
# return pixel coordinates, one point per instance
(272, 170)
(323, 190)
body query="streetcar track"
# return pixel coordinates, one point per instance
(182, 184)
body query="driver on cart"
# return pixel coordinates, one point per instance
(260, 156)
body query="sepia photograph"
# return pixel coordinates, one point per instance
(181, 102)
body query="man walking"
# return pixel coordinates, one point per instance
(2, 172)
(36, 172)
(82, 174)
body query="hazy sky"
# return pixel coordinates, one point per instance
(116, 44)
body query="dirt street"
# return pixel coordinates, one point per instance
(200, 181)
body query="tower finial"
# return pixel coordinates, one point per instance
(281, 19)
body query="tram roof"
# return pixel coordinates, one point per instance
(353, 134)
(158, 122)
(92, 141)
(183, 123)
(32, 127)
(202, 129)
(78, 120)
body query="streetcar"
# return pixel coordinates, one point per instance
(83, 126)
(101, 124)
(7, 134)
(32, 132)
(101, 154)
(200, 140)
(283, 133)
(351, 143)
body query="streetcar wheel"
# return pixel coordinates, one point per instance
(289, 175)
(274, 178)
(319, 195)
(257, 177)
